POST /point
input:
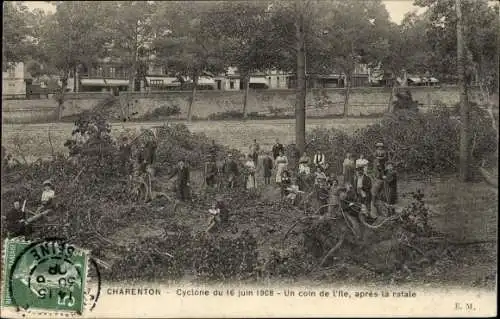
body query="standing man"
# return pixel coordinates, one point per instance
(254, 152)
(267, 163)
(230, 169)
(319, 161)
(182, 172)
(391, 184)
(125, 155)
(363, 187)
(277, 149)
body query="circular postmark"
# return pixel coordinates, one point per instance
(49, 275)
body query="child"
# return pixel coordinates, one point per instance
(285, 183)
(292, 191)
(219, 214)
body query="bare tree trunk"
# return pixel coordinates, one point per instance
(464, 103)
(300, 106)
(75, 86)
(391, 95)
(193, 96)
(346, 94)
(61, 97)
(245, 96)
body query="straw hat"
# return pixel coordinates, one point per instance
(47, 183)
(379, 145)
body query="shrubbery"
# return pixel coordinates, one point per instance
(422, 143)
(163, 111)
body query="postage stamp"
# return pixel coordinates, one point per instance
(48, 276)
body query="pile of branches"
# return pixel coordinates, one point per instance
(416, 142)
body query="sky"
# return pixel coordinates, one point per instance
(396, 8)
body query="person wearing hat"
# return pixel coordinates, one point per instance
(380, 156)
(362, 162)
(182, 173)
(48, 195)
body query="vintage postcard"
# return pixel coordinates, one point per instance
(269, 158)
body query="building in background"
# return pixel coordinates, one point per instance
(16, 81)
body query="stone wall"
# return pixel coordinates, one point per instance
(319, 102)
(42, 110)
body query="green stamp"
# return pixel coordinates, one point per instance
(47, 276)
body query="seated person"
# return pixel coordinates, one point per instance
(347, 198)
(292, 192)
(320, 177)
(47, 196)
(14, 221)
(219, 215)
(286, 181)
(304, 164)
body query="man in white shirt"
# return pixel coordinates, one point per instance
(319, 160)
(362, 162)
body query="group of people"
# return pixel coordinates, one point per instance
(19, 220)
(359, 182)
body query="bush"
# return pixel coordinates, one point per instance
(422, 143)
(162, 112)
(235, 115)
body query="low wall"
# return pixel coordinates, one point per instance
(319, 102)
(40, 110)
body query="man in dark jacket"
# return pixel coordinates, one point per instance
(15, 223)
(363, 185)
(125, 155)
(277, 148)
(182, 173)
(231, 171)
(391, 184)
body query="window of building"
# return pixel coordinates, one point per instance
(12, 72)
(156, 83)
(231, 84)
(112, 72)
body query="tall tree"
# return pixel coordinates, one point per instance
(16, 34)
(130, 31)
(74, 37)
(352, 30)
(243, 28)
(479, 48)
(404, 50)
(185, 47)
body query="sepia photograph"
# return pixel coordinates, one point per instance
(257, 158)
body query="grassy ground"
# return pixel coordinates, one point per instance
(32, 141)
(464, 212)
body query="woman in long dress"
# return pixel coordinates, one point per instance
(281, 165)
(250, 167)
